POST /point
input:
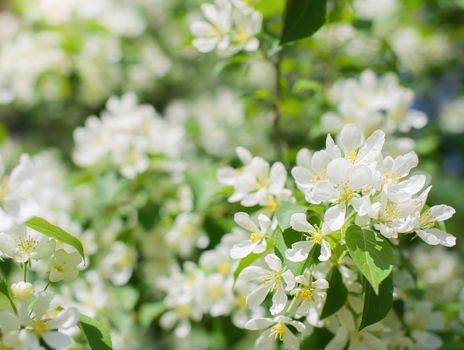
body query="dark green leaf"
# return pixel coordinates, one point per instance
(376, 307)
(149, 312)
(336, 294)
(285, 212)
(52, 231)
(371, 252)
(97, 336)
(302, 19)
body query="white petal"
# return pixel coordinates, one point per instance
(302, 176)
(350, 138)
(442, 212)
(291, 341)
(258, 323)
(252, 273)
(435, 236)
(57, 340)
(244, 155)
(359, 177)
(339, 170)
(299, 251)
(242, 249)
(279, 301)
(321, 283)
(257, 295)
(243, 219)
(65, 319)
(334, 217)
(326, 253)
(273, 262)
(8, 322)
(299, 223)
(289, 279)
(264, 222)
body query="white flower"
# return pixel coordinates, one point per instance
(270, 281)
(229, 176)
(119, 263)
(24, 244)
(428, 220)
(186, 233)
(310, 295)
(347, 333)
(16, 203)
(262, 184)
(373, 103)
(22, 290)
(421, 320)
(229, 27)
(126, 135)
(257, 241)
(44, 323)
(13, 337)
(63, 266)
(276, 329)
(314, 236)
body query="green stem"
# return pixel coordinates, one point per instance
(25, 271)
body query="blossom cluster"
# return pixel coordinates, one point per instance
(228, 27)
(126, 135)
(350, 182)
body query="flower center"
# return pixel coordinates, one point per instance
(391, 212)
(345, 193)
(40, 327)
(183, 311)
(306, 293)
(427, 220)
(272, 279)
(27, 245)
(272, 204)
(352, 155)
(279, 330)
(256, 236)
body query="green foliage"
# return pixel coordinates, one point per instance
(150, 311)
(376, 307)
(97, 336)
(302, 19)
(336, 294)
(52, 231)
(371, 253)
(285, 212)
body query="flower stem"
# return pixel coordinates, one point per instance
(25, 271)
(276, 133)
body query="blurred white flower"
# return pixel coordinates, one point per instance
(228, 27)
(63, 266)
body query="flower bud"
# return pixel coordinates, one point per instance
(22, 290)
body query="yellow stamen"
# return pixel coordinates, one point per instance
(279, 330)
(40, 327)
(256, 236)
(306, 293)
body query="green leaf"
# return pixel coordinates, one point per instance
(336, 294)
(247, 261)
(376, 307)
(204, 188)
(149, 312)
(52, 231)
(97, 336)
(302, 19)
(5, 290)
(371, 252)
(285, 212)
